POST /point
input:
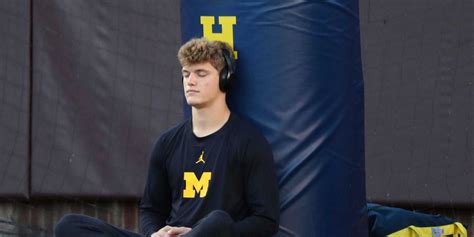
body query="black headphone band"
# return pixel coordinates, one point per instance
(227, 72)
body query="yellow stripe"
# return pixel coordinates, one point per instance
(456, 229)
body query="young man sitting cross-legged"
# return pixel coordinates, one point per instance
(213, 174)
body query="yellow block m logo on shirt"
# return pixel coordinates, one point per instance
(227, 33)
(195, 185)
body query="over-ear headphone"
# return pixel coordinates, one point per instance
(226, 75)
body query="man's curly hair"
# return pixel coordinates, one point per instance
(200, 50)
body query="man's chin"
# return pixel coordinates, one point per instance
(194, 104)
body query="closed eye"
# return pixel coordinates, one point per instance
(202, 74)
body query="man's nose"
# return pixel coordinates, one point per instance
(191, 79)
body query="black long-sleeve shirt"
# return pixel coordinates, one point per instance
(231, 170)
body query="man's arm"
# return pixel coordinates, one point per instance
(261, 191)
(155, 205)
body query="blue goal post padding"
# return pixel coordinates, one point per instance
(299, 80)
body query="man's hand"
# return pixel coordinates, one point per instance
(178, 231)
(171, 231)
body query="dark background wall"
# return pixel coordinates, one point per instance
(14, 97)
(419, 97)
(105, 83)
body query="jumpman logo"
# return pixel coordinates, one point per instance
(201, 158)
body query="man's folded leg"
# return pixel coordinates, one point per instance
(75, 225)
